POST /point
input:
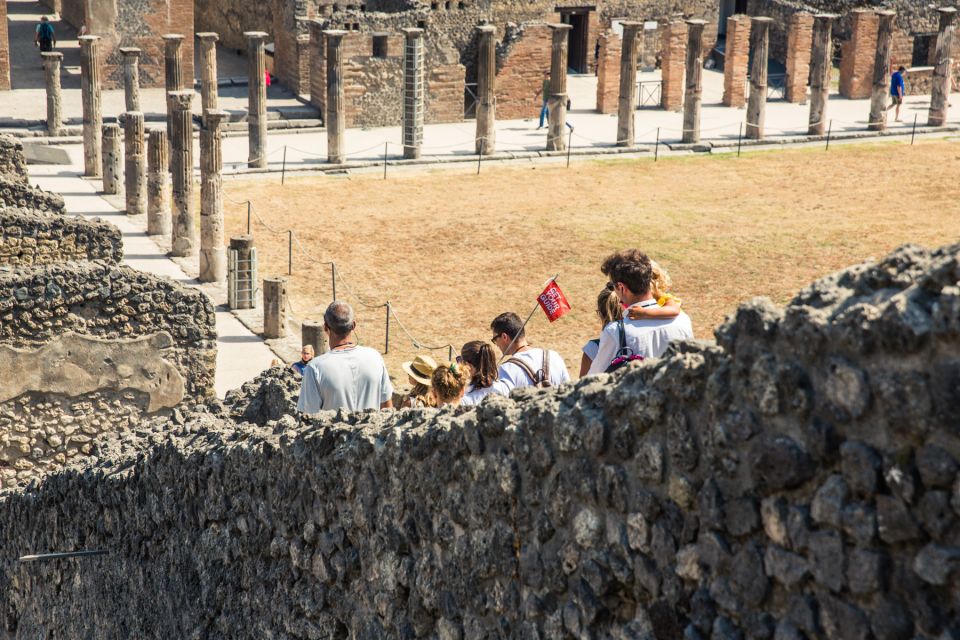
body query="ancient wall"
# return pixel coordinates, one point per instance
(736, 61)
(14, 193)
(608, 72)
(673, 64)
(522, 58)
(4, 50)
(32, 238)
(799, 50)
(13, 164)
(857, 55)
(799, 479)
(781, 11)
(231, 18)
(74, 13)
(88, 348)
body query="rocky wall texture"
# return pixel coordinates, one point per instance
(797, 479)
(89, 348)
(29, 237)
(231, 18)
(13, 164)
(14, 193)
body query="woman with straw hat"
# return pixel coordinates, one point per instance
(419, 370)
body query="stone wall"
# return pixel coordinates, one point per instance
(673, 65)
(14, 193)
(522, 57)
(86, 350)
(857, 55)
(781, 11)
(798, 479)
(32, 238)
(231, 18)
(13, 164)
(736, 61)
(799, 50)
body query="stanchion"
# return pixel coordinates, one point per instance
(656, 146)
(333, 278)
(829, 129)
(479, 157)
(739, 139)
(249, 205)
(386, 346)
(913, 134)
(569, 146)
(385, 144)
(290, 252)
(450, 353)
(283, 168)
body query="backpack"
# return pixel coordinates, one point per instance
(625, 354)
(540, 378)
(46, 31)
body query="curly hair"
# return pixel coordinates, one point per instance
(632, 267)
(449, 381)
(479, 355)
(660, 282)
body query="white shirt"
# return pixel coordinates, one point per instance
(648, 338)
(353, 379)
(513, 377)
(474, 396)
(590, 349)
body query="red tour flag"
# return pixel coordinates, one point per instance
(553, 302)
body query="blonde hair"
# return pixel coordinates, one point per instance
(420, 396)
(660, 283)
(449, 381)
(608, 306)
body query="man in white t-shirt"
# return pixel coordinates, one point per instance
(526, 366)
(348, 376)
(630, 272)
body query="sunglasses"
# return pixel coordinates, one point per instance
(459, 359)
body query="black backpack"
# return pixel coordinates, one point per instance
(625, 354)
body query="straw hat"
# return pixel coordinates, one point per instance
(420, 369)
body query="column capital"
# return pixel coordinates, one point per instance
(111, 129)
(213, 117)
(825, 16)
(696, 22)
(758, 20)
(255, 36)
(861, 10)
(885, 13)
(555, 27)
(171, 38)
(52, 55)
(208, 36)
(334, 33)
(130, 52)
(88, 40)
(486, 28)
(947, 10)
(131, 114)
(412, 32)
(181, 100)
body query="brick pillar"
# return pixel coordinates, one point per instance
(881, 71)
(694, 86)
(672, 65)
(760, 52)
(134, 164)
(158, 183)
(413, 92)
(92, 107)
(627, 100)
(131, 78)
(173, 75)
(256, 99)
(486, 83)
(736, 60)
(51, 68)
(857, 55)
(184, 235)
(208, 71)
(821, 64)
(799, 41)
(333, 114)
(608, 72)
(213, 255)
(940, 86)
(112, 156)
(274, 308)
(4, 50)
(311, 332)
(560, 36)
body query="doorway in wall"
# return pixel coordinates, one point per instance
(578, 50)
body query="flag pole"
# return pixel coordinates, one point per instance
(524, 326)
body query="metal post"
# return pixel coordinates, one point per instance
(333, 278)
(569, 144)
(283, 168)
(829, 129)
(386, 346)
(656, 147)
(479, 157)
(385, 145)
(450, 352)
(249, 204)
(913, 133)
(290, 252)
(739, 139)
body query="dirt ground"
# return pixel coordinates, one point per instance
(450, 249)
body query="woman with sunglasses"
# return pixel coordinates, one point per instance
(484, 381)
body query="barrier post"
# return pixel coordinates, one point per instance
(569, 144)
(290, 252)
(829, 129)
(385, 144)
(656, 146)
(450, 352)
(739, 139)
(283, 168)
(249, 205)
(386, 346)
(333, 278)
(913, 134)
(479, 157)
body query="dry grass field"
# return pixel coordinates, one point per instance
(450, 249)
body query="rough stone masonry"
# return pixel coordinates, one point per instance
(796, 479)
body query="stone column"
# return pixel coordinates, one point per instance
(556, 141)
(274, 308)
(158, 183)
(131, 77)
(940, 86)
(333, 114)
(208, 71)
(821, 63)
(736, 60)
(760, 52)
(799, 37)
(112, 156)
(694, 70)
(311, 332)
(673, 53)
(183, 236)
(486, 84)
(256, 99)
(881, 67)
(627, 100)
(213, 255)
(92, 109)
(51, 69)
(413, 93)
(243, 245)
(173, 75)
(135, 163)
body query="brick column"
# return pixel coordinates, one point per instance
(158, 183)
(51, 69)
(92, 108)
(627, 100)
(111, 158)
(557, 104)
(173, 75)
(736, 60)
(694, 87)
(184, 235)
(274, 308)
(940, 86)
(672, 64)
(608, 72)
(857, 55)
(413, 92)
(208, 71)
(881, 71)
(821, 64)
(213, 255)
(256, 99)
(134, 164)
(486, 83)
(4, 49)
(760, 52)
(333, 114)
(131, 78)
(799, 41)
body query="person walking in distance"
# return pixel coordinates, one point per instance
(544, 94)
(45, 37)
(897, 91)
(348, 376)
(526, 366)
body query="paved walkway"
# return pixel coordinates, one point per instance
(241, 355)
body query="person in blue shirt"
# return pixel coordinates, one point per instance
(45, 38)
(897, 91)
